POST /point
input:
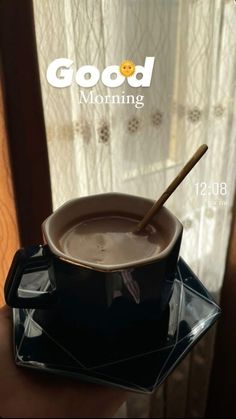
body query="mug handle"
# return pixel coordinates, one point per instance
(27, 260)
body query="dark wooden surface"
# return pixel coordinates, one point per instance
(24, 117)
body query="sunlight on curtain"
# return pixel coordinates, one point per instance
(101, 148)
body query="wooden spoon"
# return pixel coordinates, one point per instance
(171, 188)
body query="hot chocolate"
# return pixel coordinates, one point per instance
(109, 240)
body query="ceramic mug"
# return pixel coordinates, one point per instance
(133, 288)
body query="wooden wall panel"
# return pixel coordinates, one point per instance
(27, 140)
(9, 240)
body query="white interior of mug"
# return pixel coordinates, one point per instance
(69, 214)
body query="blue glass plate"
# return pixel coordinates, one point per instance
(138, 361)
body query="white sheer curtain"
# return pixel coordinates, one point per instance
(101, 148)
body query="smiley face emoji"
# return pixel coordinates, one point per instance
(127, 68)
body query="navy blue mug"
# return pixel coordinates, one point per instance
(98, 295)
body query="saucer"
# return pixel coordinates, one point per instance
(137, 360)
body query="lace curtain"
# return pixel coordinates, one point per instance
(100, 148)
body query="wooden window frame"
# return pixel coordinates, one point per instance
(221, 400)
(24, 118)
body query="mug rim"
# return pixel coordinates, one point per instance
(109, 268)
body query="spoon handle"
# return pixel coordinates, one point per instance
(171, 188)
